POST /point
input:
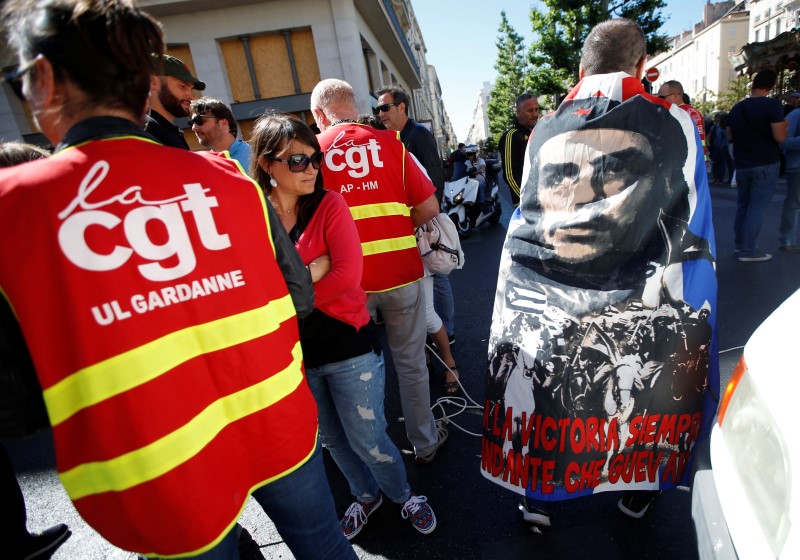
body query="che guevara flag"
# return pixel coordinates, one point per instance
(603, 371)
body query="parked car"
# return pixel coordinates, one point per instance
(746, 489)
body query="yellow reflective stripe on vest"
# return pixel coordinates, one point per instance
(388, 245)
(379, 210)
(161, 456)
(130, 369)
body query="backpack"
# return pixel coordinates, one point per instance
(439, 245)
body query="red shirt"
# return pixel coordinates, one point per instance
(332, 231)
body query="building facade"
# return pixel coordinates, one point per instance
(774, 42)
(699, 58)
(258, 55)
(479, 130)
(770, 18)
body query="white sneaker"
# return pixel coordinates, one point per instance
(534, 515)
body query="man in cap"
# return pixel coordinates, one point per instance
(171, 93)
(213, 124)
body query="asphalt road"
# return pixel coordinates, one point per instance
(478, 520)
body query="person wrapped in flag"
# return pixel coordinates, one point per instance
(603, 373)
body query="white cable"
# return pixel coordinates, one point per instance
(731, 349)
(452, 400)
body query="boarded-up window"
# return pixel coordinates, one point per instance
(271, 61)
(238, 73)
(272, 64)
(305, 59)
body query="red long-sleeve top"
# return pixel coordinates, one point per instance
(332, 231)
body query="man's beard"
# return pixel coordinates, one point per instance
(171, 103)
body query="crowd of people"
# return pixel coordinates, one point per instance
(167, 316)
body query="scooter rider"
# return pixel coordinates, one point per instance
(476, 169)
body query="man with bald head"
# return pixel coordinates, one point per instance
(608, 260)
(672, 91)
(389, 195)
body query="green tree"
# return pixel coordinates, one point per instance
(561, 30)
(737, 90)
(511, 66)
(709, 105)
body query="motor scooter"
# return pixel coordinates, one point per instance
(459, 201)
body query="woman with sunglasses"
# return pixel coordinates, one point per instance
(343, 358)
(146, 283)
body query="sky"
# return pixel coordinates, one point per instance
(460, 37)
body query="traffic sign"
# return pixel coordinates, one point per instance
(652, 74)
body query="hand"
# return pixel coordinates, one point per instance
(319, 267)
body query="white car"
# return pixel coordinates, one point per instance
(746, 489)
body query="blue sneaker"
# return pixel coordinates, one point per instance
(417, 510)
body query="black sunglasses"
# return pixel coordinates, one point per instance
(14, 79)
(384, 108)
(198, 119)
(299, 162)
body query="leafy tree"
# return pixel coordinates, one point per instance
(708, 106)
(511, 67)
(737, 90)
(562, 29)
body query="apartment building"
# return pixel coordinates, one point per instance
(699, 58)
(770, 18)
(479, 130)
(258, 55)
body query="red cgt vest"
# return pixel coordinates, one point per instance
(163, 335)
(370, 169)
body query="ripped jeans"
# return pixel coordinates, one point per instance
(352, 427)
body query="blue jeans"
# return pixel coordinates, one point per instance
(755, 186)
(790, 216)
(226, 549)
(352, 426)
(443, 302)
(301, 507)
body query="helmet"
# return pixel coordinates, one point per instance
(471, 149)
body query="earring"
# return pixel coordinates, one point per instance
(273, 183)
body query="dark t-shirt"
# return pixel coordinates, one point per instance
(750, 122)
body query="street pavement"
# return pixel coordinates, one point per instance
(477, 519)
